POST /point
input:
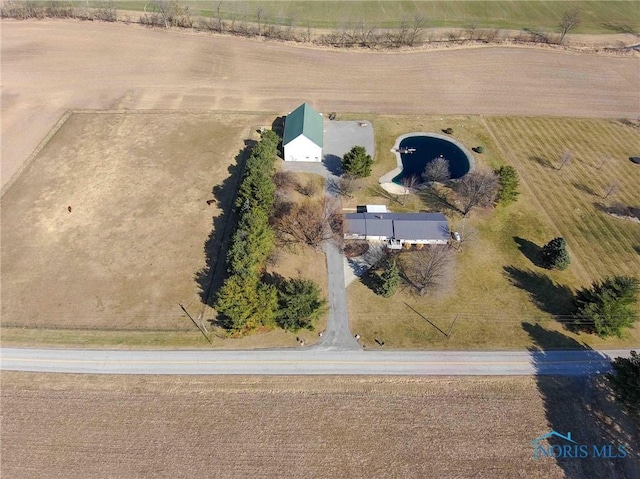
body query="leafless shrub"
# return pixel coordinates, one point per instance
(490, 36)
(427, 269)
(105, 12)
(471, 33)
(453, 36)
(355, 248)
(285, 180)
(21, 10)
(60, 10)
(209, 25)
(281, 207)
(537, 36)
(167, 14)
(309, 189)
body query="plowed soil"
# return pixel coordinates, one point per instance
(71, 426)
(50, 66)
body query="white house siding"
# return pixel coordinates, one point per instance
(424, 241)
(377, 238)
(302, 149)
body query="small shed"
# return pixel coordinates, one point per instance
(303, 135)
(371, 209)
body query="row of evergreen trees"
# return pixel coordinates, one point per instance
(245, 300)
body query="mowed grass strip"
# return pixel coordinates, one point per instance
(498, 292)
(265, 427)
(573, 197)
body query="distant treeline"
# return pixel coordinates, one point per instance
(407, 32)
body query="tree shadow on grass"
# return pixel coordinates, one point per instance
(379, 191)
(530, 250)
(585, 188)
(578, 400)
(437, 201)
(211, 276)
(550, 297)
(618, 209)
(544, 162)
(371, 279)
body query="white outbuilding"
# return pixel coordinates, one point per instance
(303, 135)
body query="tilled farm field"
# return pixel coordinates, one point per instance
(71, 426)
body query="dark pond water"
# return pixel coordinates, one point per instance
(428, 149)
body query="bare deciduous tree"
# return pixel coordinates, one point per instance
(566, 159)
(428, 269)
(611, 189)
(311, 223)
(570, 20)
(220, 24)
(408, 183)
(260, 12)
(478, 188)
(437, 170)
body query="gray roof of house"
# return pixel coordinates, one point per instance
(400, 226)
(306, 121)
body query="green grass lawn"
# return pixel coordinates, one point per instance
(534, 14)
(499, 293)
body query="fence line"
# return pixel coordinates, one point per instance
(190, 329)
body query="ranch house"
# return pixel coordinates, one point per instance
(303, 135)
(398, 229)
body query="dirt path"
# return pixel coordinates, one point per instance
(51, 66)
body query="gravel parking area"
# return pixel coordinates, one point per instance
(341, 136)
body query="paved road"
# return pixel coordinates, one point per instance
(310, 361)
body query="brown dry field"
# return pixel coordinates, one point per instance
(50, 66)
(143, 426)
(128, 252)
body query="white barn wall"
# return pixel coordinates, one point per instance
(302, 149)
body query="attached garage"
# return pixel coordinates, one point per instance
(303, 135)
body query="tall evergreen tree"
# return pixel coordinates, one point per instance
(608, 306)
(246, 304)
(356, 162)
(555, 255)
(300, 304)
(508, 185)
(389, 279)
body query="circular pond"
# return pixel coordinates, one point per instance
(415, 150)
